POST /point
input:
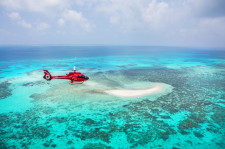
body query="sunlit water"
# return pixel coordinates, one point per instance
(35, 113)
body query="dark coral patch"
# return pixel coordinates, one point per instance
(89, 121)
(40, 131)
(96, 146)
(3, 145)
(198, 134)
(102, 135)
(58, 119)
(165, 117)
(5, 91)
(187, 124)
(34, 83)
(219, 117)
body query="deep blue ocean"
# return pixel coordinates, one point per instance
(189, 112)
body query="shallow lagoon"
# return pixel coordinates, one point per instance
(35, 113)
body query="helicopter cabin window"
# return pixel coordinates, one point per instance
(81, 76)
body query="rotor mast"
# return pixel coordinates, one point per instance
(74, 68)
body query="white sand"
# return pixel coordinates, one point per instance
(136, 93)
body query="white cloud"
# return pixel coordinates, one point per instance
(74, 17)
(114, 19)
(148, 15)
(43, 26)
(187, 21)
(126, 13)
(14, 16)
(156, 12)
(52, 9)
(162, 21)
(213, 21)
(34, 5)
(24, 24)
(212, 26)
(61, 22)
(143, 13)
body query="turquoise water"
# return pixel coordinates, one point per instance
(35, 113)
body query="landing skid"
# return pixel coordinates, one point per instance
(76, 82)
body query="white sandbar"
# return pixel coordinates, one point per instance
(135, 93)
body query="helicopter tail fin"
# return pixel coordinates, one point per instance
(47, 76)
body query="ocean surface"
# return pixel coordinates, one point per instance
(35, 113)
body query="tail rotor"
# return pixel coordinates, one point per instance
(47, 75)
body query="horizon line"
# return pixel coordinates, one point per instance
(131, 45)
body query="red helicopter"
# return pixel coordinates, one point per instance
(72, 76)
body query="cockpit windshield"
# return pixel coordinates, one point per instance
(81, 76)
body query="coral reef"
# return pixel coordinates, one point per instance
(5, 91)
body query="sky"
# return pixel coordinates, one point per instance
(195, 23)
